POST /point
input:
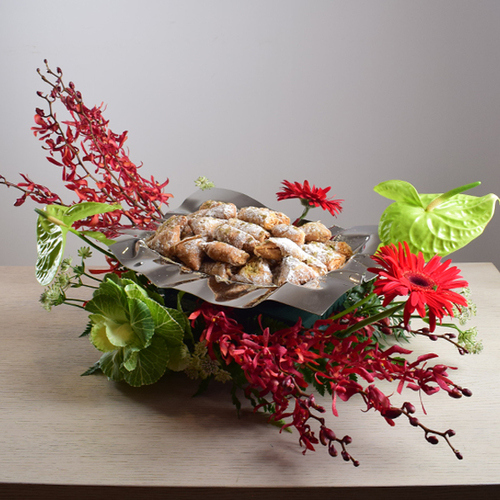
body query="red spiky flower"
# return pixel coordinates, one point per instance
(427, 285)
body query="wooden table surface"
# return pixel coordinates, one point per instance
(66, 436)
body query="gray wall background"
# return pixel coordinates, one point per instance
(343, 93)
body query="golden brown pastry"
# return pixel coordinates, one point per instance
(167, 235)
(223, 252)
(316, 231)
(205, 226)
(235, 237)
(256, 271)
(341, 247)
(190, 252)
(252, 246)
(291, 232)
(258, 232)
(326, 254)
(219, 269)
(219, 209)
(292, 270)
(263, 217)
(279, 248)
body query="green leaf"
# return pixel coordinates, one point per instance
(107, 306)
(442, 229)
(114, 291)
(401, 191)
(168, 322)
(151, 364)
(50, 248)
(178, 358)
(111, 365)
(57, 211)
(86, 209)
(99, 237)
(98, 334)
(235, 399)
(95, 368)
(203, 386)
(51, 236)
(132, 290)
(87, 330)
(141, 322)
(143, 282)
(120, 334)
(130, 359)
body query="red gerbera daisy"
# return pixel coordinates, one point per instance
(314, 197)
(404, 273)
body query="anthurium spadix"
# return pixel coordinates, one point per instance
(433, 223)
(140, 338)
(53, 225)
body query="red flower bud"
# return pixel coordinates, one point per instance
(467, 393)
(409, 407)
(455, 393)
(432, 439)
(391, 413)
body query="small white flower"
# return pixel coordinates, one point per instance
(203, 183)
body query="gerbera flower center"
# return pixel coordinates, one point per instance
(420, 280)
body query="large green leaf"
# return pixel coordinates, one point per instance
(130, 359)
(399, 191)
(120, 334)
(432, 226)
(96, 235)
(86, 209)
(142, 322)
(178, 358)
(111, 364)
(150, 364)
(108, 306)
(133, 290)
(168, 322)
(98, 335)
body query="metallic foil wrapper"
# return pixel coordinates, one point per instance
(315, 297)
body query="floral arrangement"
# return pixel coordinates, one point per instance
(144, 333)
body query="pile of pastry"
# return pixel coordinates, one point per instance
(251, 245)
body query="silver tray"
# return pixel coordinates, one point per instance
(133, 253)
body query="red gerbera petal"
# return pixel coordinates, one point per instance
(428, 285)
(315, 197)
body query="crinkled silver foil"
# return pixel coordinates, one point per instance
(315, 297)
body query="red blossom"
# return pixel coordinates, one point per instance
(93, 161)
(30, 189)
(403, 273)
(314, 197)
(274, 364)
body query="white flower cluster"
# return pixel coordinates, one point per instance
(201, 366)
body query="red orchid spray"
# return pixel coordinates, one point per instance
(93, 161)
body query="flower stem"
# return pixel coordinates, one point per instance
(92, 278)
(89, 242)
(449, 194)
(74, 305)
(370, 320)
(352, 308)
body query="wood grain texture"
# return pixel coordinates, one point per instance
(60, 432)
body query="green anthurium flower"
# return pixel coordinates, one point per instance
(430, 223)
(140, 338)
(53, 225)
